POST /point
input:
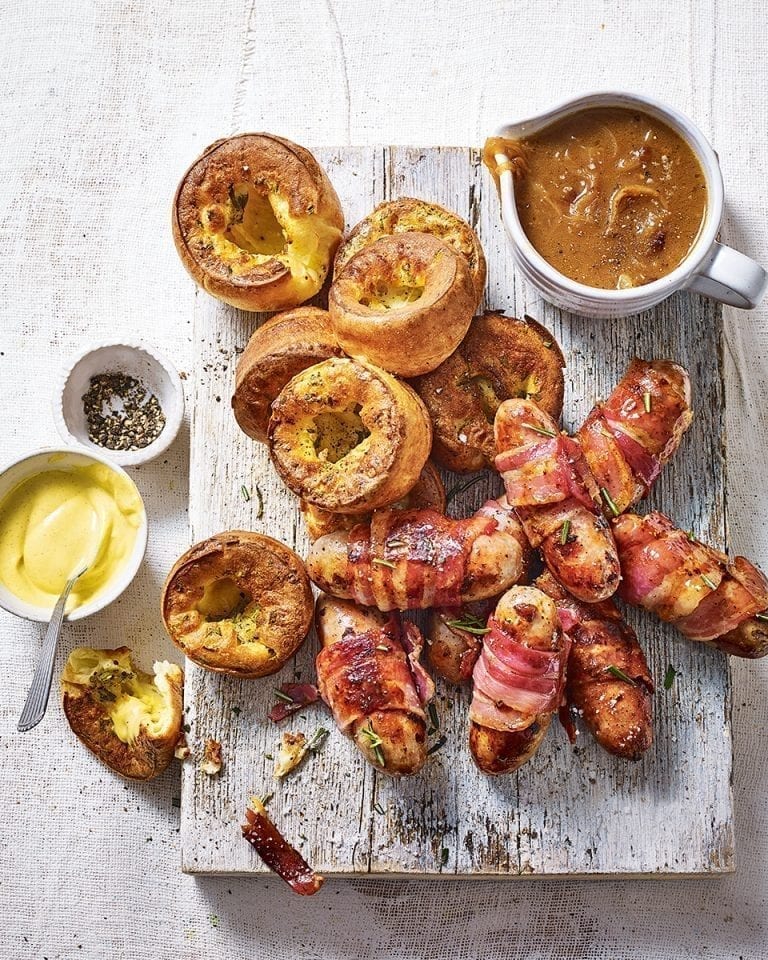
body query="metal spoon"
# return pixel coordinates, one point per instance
(39, 691)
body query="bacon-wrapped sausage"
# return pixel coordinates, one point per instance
(627, 439)
(415, 559)
(548, 482)
(517, 681)
(609, 683)
(369, 674)
(706, 596)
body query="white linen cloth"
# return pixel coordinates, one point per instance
(103, 105)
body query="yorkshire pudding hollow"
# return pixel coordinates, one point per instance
(129, 719)
(428, 493)
(500, 358)
(256, 222)
(409, 215)
(238, 603)
(404, 303)
(279, 349)
(348, 437)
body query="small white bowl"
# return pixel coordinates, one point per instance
(53, 459)
(135, 360)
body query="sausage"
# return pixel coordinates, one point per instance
(416, 559)
(608, 681)
(518, 680)
(369, 675)
(697, 589)
(627, 439)
(556, 499)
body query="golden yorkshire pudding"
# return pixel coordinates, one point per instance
(501, 357)
(278, 350)
(238, 603)
(129, 719)
(256, 222)
(429, 493)
(408, 215)
(404, 303)
(348, 437)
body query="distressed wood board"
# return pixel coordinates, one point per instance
(570, 811)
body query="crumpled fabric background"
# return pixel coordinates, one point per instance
(103, 105)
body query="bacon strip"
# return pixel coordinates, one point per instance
(279, 855)
(537, 474)
(301, 694)
(366, 672)
(514, 683)
(416, 556)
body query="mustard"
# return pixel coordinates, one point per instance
(58, 521)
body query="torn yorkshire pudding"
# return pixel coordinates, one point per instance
(129, 719)
(408, 215)
(404, 303)
(256, 222)
(278, 350)
(348, 437)
(238, 603)
(427, 494)
(500, 358)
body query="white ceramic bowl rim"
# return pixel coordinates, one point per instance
(174, 412)
(16, 606)
(709, 164)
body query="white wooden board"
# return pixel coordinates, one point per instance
(569, 811)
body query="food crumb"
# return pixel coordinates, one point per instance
(212, 762)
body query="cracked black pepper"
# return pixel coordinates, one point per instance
(121, 413)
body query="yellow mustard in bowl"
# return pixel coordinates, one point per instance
(55, 522)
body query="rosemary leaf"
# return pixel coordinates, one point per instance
(761, 616)
(469, 623)
(541, 430)
(437, 745)
(244, 493)
(383, 563)
(433, 717)
(317, 739)
(283, 696)
(619, 674)
(709, 582)
(260, 501)
(378, 808)
(669, 677)
(609, 500)
(647, 402)
(461, 486)
(565, 531)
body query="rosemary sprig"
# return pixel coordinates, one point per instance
(541, 430)
(317, 739)
(283, 696)
(619, 674)
(565, 531)
(374, 741)
(469, 623)
(709, 582)
(461, 486)
(383, 563)
(610, 502)
(647, 401)
(669, 677)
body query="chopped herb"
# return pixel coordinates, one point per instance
(374, 742)
(260, 501)
(761, 616)
(378, 808)
(691, 536)
(186, 728)
(619, 674)
(461, 487)
(609, 500)
(244, 493)
(437, 745)
(469, 623)
(214, 919)
(709, 582)
(444, 854)
(236, 711)
(433, 717)
(383, 563)
(541, 430)
(383, 647)
(547, 344)
(669, 677)
(269, 756)
(565, 531)
(283, 696)
(317, 739)
(394, 542)
(647, 402)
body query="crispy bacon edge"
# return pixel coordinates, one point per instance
(301, 694)
(279, 855)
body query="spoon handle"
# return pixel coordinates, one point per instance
(39, 691)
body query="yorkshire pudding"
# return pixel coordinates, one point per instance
(256, 222)
(238, 603)
(348, 437)
(408, 215)
(278, 350)
(404, 303)
(501, 357)
(429, 493)
(129, 719)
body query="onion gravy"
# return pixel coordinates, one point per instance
(611, 197)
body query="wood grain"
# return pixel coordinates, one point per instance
(569, 811)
